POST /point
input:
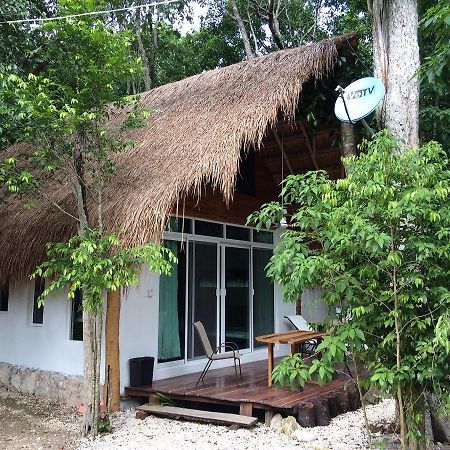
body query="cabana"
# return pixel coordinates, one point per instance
(215, 149)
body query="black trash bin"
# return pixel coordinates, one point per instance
(141, 371)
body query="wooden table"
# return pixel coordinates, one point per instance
(293, 338)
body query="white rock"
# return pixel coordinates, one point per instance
(275, 423)
(303, 435)
(5, 374)
(289, 425)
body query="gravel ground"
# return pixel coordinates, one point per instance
(345, 432)
(29, 422)
(36, 423)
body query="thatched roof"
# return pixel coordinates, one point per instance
(198, 126)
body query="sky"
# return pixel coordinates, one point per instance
(197, 13)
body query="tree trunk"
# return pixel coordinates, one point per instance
(274, 24)
(348, 145)
(440, 425)
(88, 372)
(244, 35)
(142, 52)
(112, 352)
(396, 61)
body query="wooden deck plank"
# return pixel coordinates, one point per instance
(200, 415)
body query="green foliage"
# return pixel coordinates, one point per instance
(96, 264)
(164, 400)
(436, 21)
(378, 242)
(22, 45)
(15, 180)
(434, 72)
(291, 371)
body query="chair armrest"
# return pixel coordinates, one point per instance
(232, 344)
(233, 347)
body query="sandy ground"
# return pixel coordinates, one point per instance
(33, 422)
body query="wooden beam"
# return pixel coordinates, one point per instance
(285, 156)
(268, 416)
(310, 148)
(246, 409)
(112, 355)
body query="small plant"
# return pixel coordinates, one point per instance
(104, 424)
(291, 371)
(164, 400)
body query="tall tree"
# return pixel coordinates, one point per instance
(63, 116)
(242, 30)
(396, 63)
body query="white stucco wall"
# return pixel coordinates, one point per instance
(139, 323)
(46, 346)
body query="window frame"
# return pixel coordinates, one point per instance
(39, 283)
(4, 287)
(71, 318)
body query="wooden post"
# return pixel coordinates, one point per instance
(268, 416)
(112, 355)
(246, 409)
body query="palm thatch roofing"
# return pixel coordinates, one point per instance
(197, 129)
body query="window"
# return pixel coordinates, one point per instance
(238, 233)
(263, 237)
(76, 329)
(4, 296)
(208, 228)
(179, 225)
(38, 312)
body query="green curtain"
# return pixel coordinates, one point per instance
(168, 333)
(263, 313)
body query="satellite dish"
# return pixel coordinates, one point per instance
(358, 99)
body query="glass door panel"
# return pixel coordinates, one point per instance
(237, 296)
(203, 294)
(172, 305)
(263, 311)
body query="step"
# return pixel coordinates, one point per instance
(198, 415)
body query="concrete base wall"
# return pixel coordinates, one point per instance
(53, 385)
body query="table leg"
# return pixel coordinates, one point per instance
(319, 341)
(269, 363)
(293, 349)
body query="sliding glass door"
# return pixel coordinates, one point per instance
(263, 298)
(220, 282)
(203, 275)
(235, 309)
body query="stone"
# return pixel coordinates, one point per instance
(28, 383)
(289, 425)
(16, 379)
(5, 374)
(53, 385)
(303, 435)
(275, 423)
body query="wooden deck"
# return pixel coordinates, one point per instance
(315, 405)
